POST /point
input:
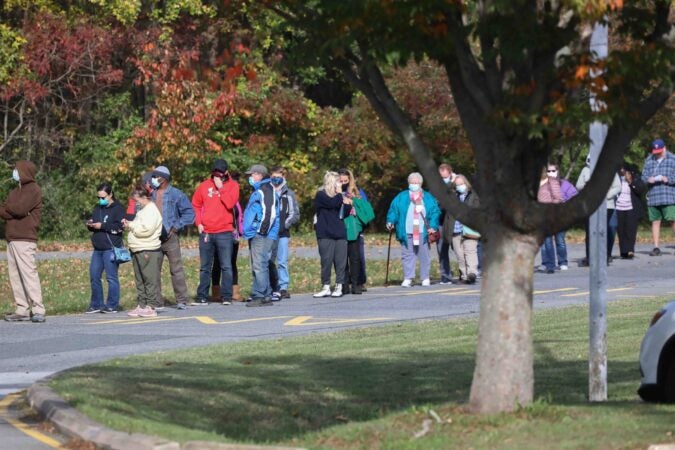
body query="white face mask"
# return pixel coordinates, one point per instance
(413, 187)
(447, 180)
(15, 175)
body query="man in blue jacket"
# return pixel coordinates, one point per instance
(177, 213)
(261, 229)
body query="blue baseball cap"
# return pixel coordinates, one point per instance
(658, 146)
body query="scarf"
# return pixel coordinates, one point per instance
(416, 199)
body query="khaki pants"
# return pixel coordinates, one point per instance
(146, 272)
(24, 278)
(467, 255)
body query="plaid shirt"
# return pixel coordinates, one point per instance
(660, 193)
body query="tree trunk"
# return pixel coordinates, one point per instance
(503, 378)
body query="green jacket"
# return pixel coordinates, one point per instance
(356, 223)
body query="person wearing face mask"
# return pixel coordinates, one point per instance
(331, 234)
(177, 213)
(444, 243)
(659, 176)
(554, 190)
(413, 214)
(629, 209)
(21, 212)
(145, 246)
(289, 215)
(359, 216)
(465, 240)
(132, 207)
(261, 229)
(105, 225)
(213, 203)
(610, 199)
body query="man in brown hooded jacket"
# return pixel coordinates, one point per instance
(21, 212)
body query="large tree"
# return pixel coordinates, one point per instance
(521, 74)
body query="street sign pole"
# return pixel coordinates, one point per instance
(597, 357)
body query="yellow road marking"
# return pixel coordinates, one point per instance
(464, 291)
(24, 428)
(580, 294)
(302, 321)
(440, 291)
(555, 290)
(206, 320)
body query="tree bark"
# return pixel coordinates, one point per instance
(503, 378)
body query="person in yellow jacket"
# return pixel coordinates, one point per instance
(145, 247)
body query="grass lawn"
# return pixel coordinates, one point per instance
(378, 388)
(65, 283)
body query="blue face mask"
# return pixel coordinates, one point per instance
(414, 187)
(103, 201)
(15, 175)
(251, 181)
(277, 181)
(154, 182)
(461, 188)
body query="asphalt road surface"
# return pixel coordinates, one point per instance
(32, 351)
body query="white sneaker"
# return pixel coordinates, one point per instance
(563, 267)
(338, 291)
(426, 282)
(135, 312)
(406, 283)
(324, 292)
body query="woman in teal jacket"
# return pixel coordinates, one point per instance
(413, 213)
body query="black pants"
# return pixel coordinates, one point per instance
(627, 231)
(333, 253)
(611, 233)
(353, 263)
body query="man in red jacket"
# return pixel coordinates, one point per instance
(214, 202)
(22, 212)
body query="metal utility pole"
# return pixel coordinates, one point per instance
(597, 258)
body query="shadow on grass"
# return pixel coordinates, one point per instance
(276, 398)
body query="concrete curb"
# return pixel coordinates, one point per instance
(75, 424)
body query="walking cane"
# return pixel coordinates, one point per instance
(386, 276)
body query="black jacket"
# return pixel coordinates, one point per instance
(328, 222)
(111, 231)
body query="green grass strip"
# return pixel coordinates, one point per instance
(378, 388)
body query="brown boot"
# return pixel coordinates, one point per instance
(236, 295)
(215, 293)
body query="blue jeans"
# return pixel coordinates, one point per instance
(282, 263)
(101, 260)
(549, 251)
(209, 245)
(260, 248)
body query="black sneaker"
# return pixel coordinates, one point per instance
(655, 252)
(276, 296)
(200, 302)
(471, 278)
(259, 302)
(107, 310)
(284, 294)
(226, 301)
(92, 310)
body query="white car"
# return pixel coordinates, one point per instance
(657, 358)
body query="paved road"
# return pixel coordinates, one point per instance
(31, 351)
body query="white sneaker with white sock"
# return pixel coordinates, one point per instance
(324, 292)
(337, 292)
(406, 283)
